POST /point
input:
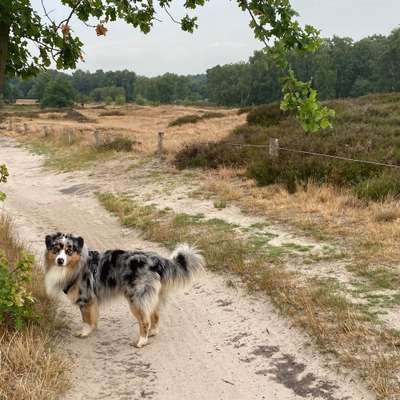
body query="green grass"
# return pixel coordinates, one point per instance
(220, 204)
(64, 157)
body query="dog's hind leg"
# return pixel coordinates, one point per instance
(155, 319)
(144, 325)
(90, 315)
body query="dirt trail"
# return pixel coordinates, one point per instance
(215, 342)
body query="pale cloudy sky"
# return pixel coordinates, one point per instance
(223, 35)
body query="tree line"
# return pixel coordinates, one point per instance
(340, 68)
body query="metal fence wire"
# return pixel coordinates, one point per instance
(273, 149)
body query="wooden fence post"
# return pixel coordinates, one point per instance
(97, 137)
(71, 136)
(160, 145)
(273, 149)
(46, 131)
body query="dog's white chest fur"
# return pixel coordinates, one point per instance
(54, 280)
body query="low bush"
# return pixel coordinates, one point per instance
(118, 144)
(74, 115)
(266, 115)
(16, 303)
(365, 129)
(194, 118)
(111, 113)
(245, 110)
(186, 119)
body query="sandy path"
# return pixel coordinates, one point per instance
(215, 342)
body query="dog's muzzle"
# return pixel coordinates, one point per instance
(60, 261)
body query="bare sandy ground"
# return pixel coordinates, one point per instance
(215, 342)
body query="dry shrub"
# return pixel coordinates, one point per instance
(386, 214)
(30, 366)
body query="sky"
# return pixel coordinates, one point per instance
(223, 35)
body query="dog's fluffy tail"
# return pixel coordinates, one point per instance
(186, 262)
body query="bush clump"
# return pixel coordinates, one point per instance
(16, 302)
(75, 115)
(111, 113)
(118, 144)
(194, 118)
(267, 115)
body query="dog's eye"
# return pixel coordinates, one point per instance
(69, 252)
(55, 249)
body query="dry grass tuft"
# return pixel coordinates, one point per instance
(386, 214)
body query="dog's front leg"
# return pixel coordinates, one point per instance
(90, 314)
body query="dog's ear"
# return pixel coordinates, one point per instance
(49, 242)
(80, 242)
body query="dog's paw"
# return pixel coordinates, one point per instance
(141, 342)
(154, 332)
(84, 332)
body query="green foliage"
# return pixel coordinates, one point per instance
(16, 303)
(3, 179)
(302, 97)
(366, 129)
(58, 94)
(120, 100)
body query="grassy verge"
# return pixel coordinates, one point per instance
(323, 307)
(60, 155)
(31, 367)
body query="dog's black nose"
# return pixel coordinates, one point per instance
(60, 261)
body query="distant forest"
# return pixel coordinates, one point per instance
(340, 68)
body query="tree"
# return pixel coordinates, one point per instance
(271, 20)
(58, 93)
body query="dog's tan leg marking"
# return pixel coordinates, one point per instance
(155, 319)
(90, 315)
(144, 326)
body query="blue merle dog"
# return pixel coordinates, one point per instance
(89, 277)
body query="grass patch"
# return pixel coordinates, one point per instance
(320, 306)
(220, 204)
(31, 365)
(64, 157)
(194, 118)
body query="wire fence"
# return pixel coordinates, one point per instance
(273, 149)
